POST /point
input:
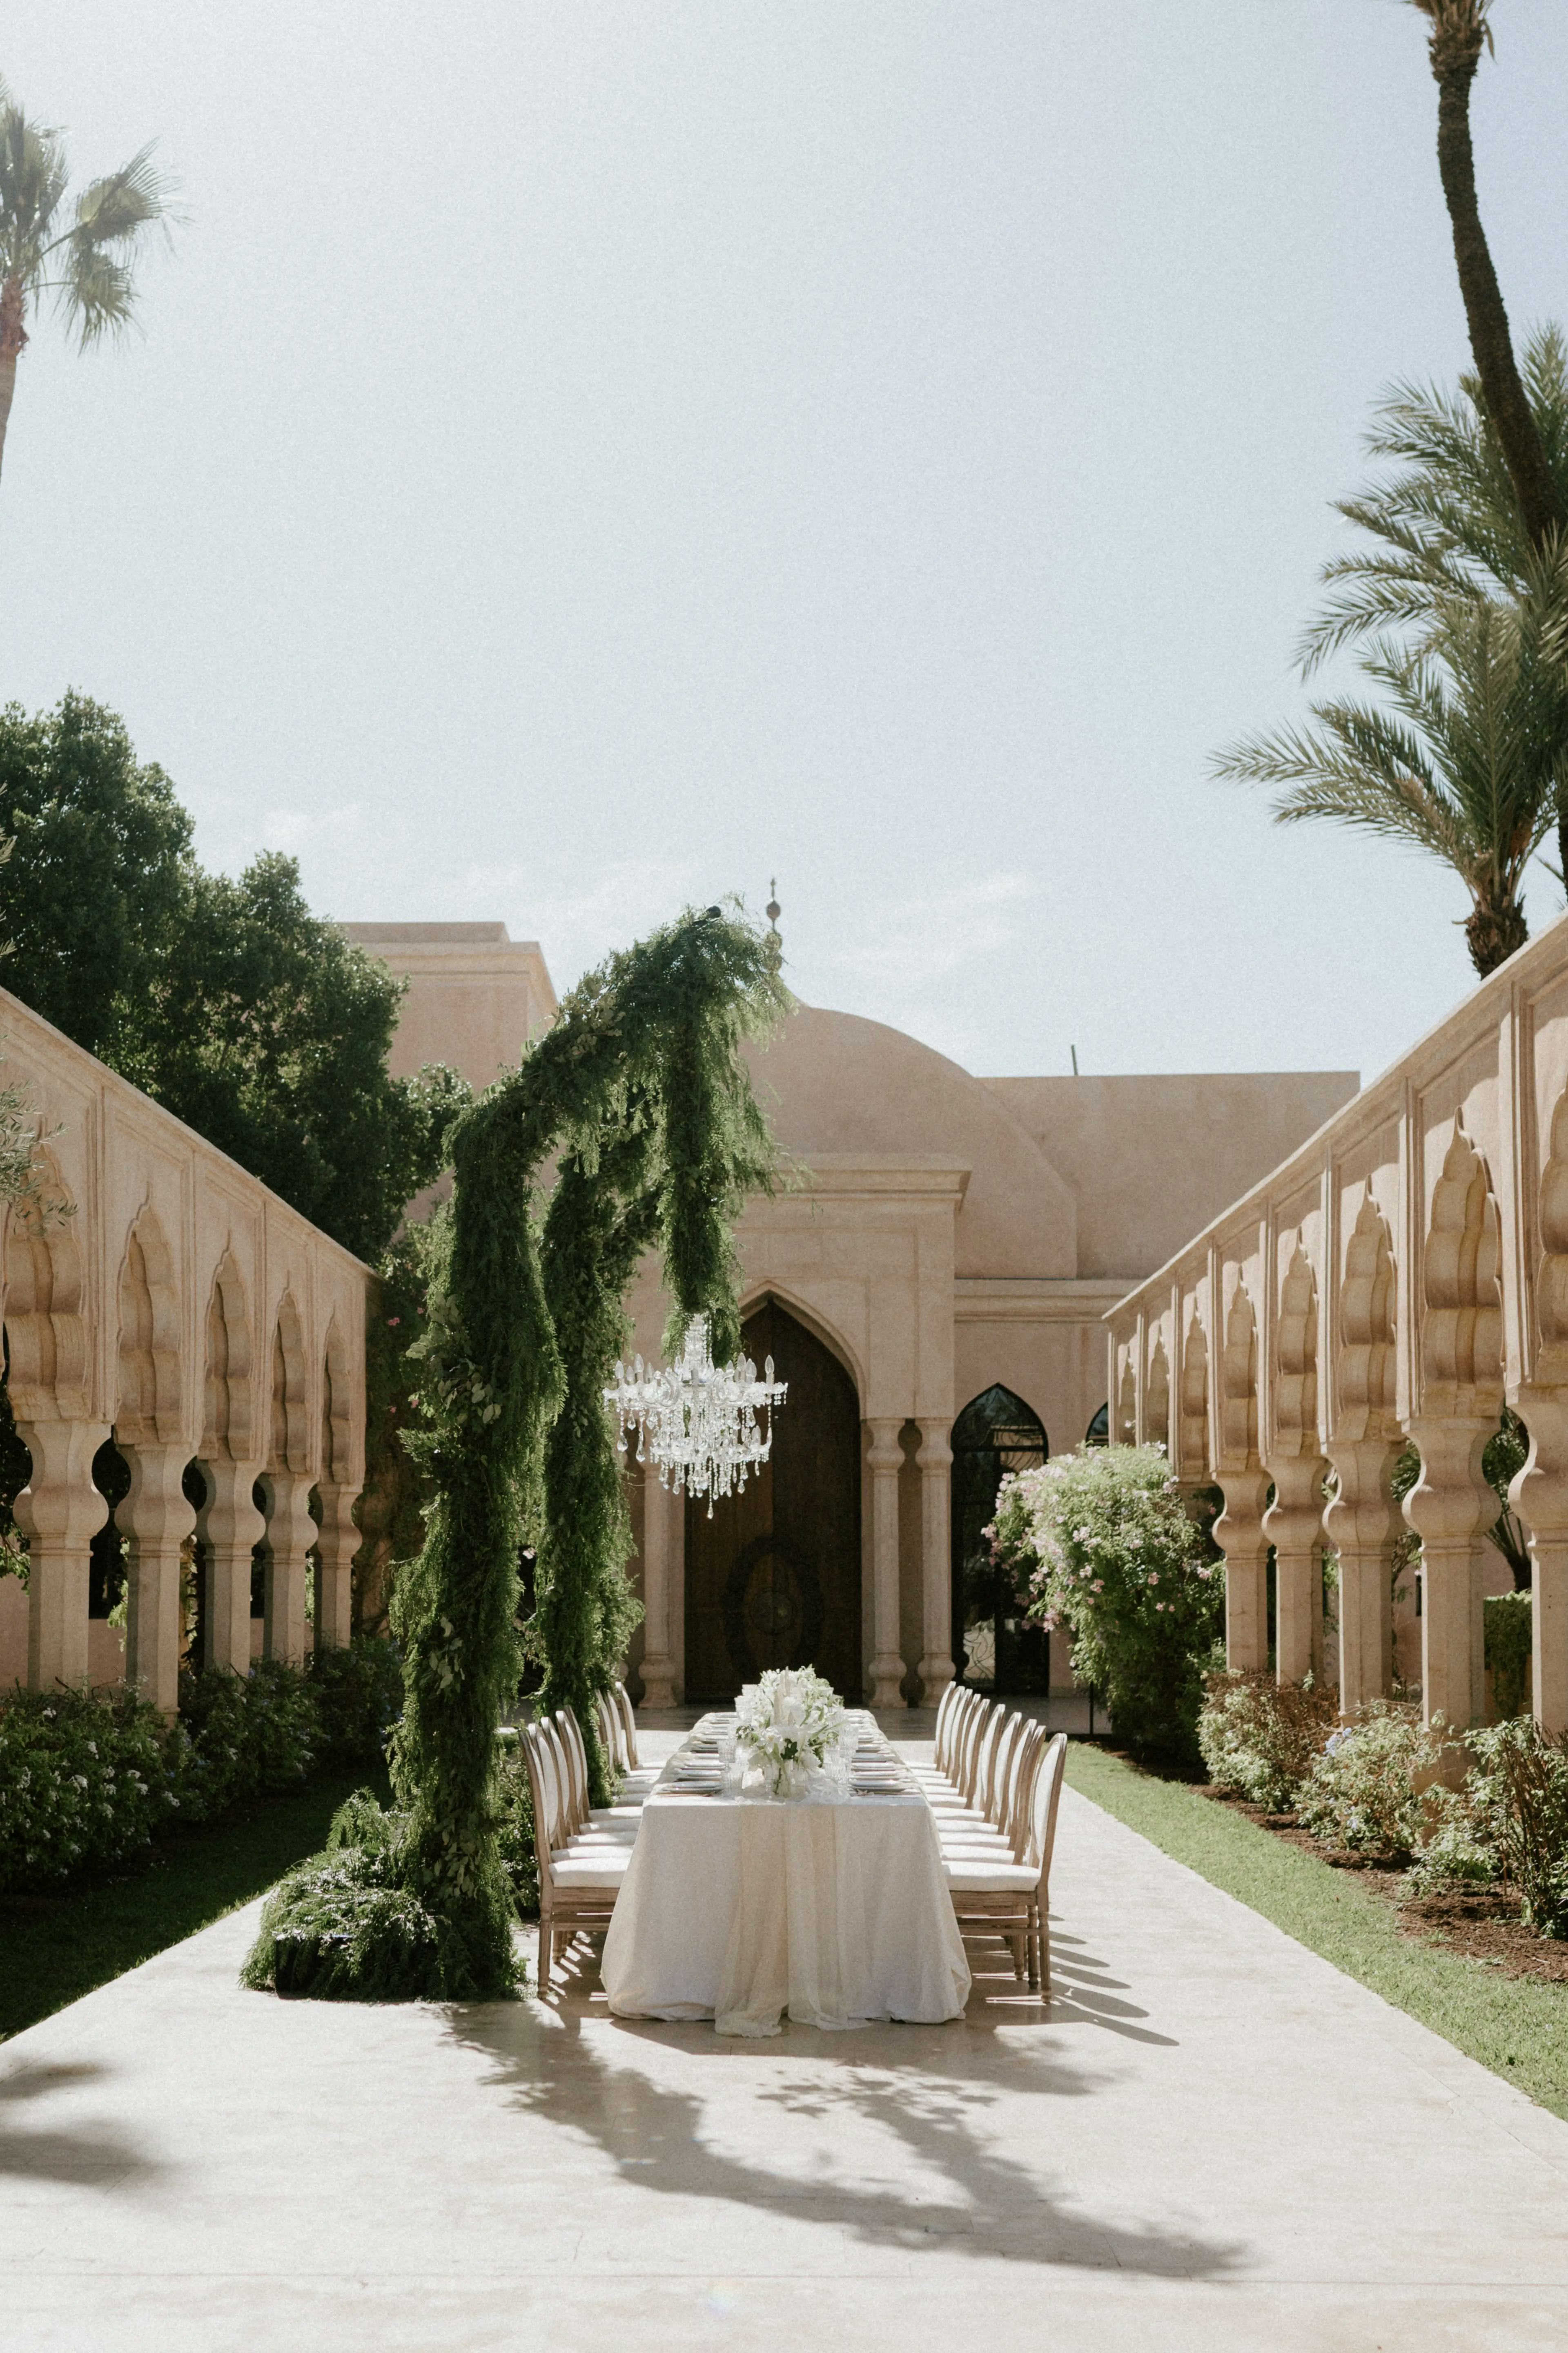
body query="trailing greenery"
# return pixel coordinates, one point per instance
(1516, 2026)
(250, 1017)
(88, 1786)
(640, 1094)
(1102, 1544)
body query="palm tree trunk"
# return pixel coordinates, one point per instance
(1459, 34)
(1494, 929)
(12, 336)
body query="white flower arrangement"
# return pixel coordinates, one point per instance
(789, 1721)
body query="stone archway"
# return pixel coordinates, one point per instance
(774, 1579)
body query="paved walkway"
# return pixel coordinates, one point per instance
(1208, 2140)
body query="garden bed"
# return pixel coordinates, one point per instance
(1482, 1923)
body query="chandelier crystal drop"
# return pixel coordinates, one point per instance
(698, 1421)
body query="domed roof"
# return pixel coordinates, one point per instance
(833, 1083)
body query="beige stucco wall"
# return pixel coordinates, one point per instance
(1151, 1160)
(477, 996)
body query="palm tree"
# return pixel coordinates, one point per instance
(1467, 762)
(85, 262)
(1447, 529)
(1461, 29)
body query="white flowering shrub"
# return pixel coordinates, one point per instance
(82, 1786)
(1259, 1739)
(85, 1785)
(1102, 1544)
(1361, 1793)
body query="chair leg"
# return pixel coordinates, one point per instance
(1018, 1938)
(546, 1933)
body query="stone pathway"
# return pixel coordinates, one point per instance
(1207, 2139)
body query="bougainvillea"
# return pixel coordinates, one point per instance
(1102, 1544)
(641, 1098)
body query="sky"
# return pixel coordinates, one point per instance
(581, 459)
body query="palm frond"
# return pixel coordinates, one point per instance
(33, 175)
(117, 207)
(96, 295)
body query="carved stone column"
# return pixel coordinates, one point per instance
(336, 1545)
(229, 1527)
(291, 1532)
(1451, 1510)
(1293, 1524)
(659, 1508)
(1540, 1495)
(155, 1518)
(1363, 1524)
(886, 1461)
(60, 1512)
(1238, 1532)
(936, 1462)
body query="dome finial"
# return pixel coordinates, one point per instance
(775, 945)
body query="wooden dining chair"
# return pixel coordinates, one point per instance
(578, 1883)
(1010, 1899)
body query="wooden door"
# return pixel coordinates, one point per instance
(774, 1579)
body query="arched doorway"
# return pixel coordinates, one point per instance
(774, 1579)
(995, 1433)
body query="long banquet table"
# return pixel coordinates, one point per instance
(741, 1909)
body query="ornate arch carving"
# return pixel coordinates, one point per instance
(1461, 1330)
(1366, 1369)
(1552, 1276)
(1238, 1383)
(290, 1442)
(1296, 1349)
(337, 1425)
(50, 1367)
(1195, 1401)
(229, 1405)
(1157, 1396)
(147, 1394)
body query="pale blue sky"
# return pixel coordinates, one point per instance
(585, 457)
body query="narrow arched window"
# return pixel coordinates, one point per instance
(995, 1433)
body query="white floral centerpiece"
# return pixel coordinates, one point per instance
(790, 1724)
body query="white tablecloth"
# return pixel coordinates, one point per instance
(738, 1910)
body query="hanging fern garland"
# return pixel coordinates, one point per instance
(641, 1091)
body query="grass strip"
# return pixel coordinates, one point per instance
(82, 1941)
(1516, 2026)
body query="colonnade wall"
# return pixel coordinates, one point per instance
(1394, 1283)
(156, 1295)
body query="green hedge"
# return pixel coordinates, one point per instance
(86, 1785)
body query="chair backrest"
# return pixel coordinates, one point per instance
(1043, 1811)
(993, 1797)
(575, 1765)
(944, 1708)
(623, 1700)
(985, 1756)
(607, 1724)
(1020, 1794)
(542, 1792)
(969, 1756)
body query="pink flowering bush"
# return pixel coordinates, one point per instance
(1102, 1544)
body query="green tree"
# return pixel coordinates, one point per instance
(1443, 527)
(268, 1032)
(1467, 763)
(94, 892)
(1460, 31)
(249, 1017)
(85, 261)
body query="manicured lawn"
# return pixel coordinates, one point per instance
(54, 1955)
(1516, 2026)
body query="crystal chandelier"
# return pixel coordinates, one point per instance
(697, 1420)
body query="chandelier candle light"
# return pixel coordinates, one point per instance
(697, 1420)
